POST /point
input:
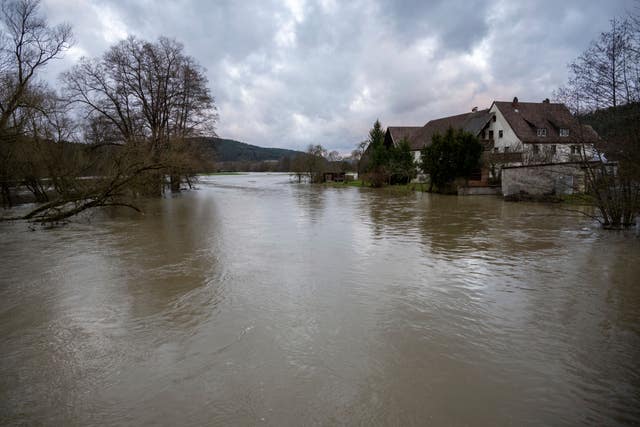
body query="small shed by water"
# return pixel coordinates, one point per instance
(334, 176)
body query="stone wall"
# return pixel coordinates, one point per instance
(561, 178)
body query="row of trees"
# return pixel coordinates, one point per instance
(134, 109)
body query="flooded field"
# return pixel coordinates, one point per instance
(254, 301)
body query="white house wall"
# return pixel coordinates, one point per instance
(509, 138)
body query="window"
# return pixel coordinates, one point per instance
(542, 131)
(575, 149)
(506, 149)
(496, 149)
(564, 132)
(490, 134)
(553, 149)
(500, 134)
(484, 134)
(536, 149)
(493, 118)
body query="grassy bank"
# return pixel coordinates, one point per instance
(398, 188)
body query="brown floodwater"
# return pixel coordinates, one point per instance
(254, 301)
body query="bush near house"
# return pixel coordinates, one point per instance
(452, 155)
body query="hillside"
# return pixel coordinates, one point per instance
(615, 122)
(619, 128)
(229, 150)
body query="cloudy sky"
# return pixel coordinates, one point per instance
(294, 72)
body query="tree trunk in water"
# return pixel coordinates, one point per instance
(6, 195)
(175, 183)
(36, 188)
(152, 185)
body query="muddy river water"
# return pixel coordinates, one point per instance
(254, 301)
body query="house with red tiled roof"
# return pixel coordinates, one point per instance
(513, 134)
(543, 132)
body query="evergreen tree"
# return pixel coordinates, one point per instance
(378, 156)
(376, 143)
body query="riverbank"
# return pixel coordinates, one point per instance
(398, 188)
(570, 199)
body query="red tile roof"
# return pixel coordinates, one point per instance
(525, 118)
(418, 137)
(411, 133)
(472, 122)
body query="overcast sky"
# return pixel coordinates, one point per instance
(294, 72)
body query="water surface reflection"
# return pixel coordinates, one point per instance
(254, 300)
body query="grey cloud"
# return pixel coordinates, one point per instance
(459, 24)
(294, 72)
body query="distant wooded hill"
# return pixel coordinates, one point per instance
(228, 150)
(619, 128)
(615, 122)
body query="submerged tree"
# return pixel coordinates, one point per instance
(604, 91)
(142, 104)
(314, 162)
(29, 110)
(148, 94)
(613, 173)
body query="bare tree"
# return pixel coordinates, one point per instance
(315, 162)
(142, 102)
(149, 94)
(539, 153)
(604, 90)
(28, 45)
(27, 107)
(607, 73)
(299, 167)
(334, 156)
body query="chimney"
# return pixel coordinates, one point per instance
(514, 103)
(546, 101)
(474, 110)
